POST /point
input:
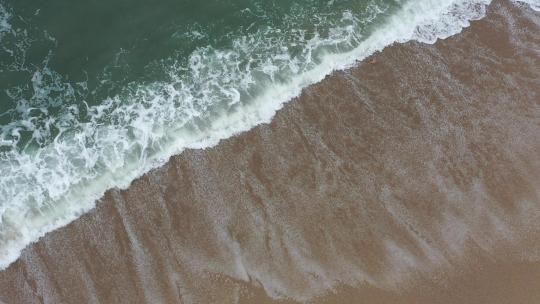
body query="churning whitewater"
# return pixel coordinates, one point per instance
(65, 140)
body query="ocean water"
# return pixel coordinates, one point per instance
(94, 94)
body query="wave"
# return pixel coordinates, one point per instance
(220, 93)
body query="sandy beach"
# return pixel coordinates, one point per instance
(411, 178)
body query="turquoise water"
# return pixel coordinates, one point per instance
(98, 50)
(95, 93)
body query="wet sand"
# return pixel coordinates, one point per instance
(412, 178)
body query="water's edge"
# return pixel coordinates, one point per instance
(259, 112)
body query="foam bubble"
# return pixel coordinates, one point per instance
(4, 21)
(534, 4)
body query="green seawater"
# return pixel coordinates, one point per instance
(97, 49)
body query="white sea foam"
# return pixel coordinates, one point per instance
(534, 4)
(127, 135)
(5, 26)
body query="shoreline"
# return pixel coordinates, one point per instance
(189, 198)
(437, 22)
